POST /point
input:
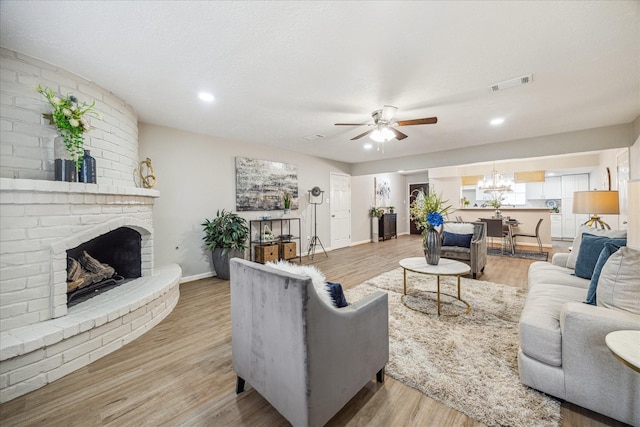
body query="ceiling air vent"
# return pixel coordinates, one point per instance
(522, 80)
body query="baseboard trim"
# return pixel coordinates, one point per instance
(186, 279)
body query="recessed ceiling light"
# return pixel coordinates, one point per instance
(368, 146)
(206, 96)
(497, 121)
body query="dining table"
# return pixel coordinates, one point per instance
(508, 225)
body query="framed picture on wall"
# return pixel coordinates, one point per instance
(262, 184)
(383, 191)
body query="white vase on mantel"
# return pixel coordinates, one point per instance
(63, 165)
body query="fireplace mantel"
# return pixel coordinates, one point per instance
(35, 185)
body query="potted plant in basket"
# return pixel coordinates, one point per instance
(226, 235)
(428, 211)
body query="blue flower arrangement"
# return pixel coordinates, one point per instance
(434, 219)
(428, 210)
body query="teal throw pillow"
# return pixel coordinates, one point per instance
(590, 249)
(609, 249)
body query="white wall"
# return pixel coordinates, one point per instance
(196, 177)
(363, 198)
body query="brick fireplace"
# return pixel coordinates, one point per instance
(41, 339)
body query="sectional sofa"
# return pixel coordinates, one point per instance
(562, 338)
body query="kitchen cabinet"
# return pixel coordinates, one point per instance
(535, 190)
(571, 221)
(551, 188)
(556, 226)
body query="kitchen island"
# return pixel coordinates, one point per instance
(528, 217)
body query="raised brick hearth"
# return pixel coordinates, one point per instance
(41, 339)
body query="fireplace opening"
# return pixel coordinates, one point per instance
(103, 263)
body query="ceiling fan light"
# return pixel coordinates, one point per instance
(382, 134)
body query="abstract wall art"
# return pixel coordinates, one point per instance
(261, 184)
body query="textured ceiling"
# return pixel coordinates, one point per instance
(284, 70)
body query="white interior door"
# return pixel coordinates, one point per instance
(340, 210)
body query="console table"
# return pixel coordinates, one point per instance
(285, 234)
(387, 226)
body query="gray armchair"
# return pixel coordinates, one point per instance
(308, 359)
(475, 255)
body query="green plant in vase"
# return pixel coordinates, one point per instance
(286, 198)
(376, 212)
(70, 118)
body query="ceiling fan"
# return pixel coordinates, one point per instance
(383, 125)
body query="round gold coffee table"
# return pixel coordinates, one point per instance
(446, 267)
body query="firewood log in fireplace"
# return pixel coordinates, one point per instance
(85, 271)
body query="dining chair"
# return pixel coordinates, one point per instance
(495, 229)
(536, 235)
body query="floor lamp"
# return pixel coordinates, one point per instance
(316, 197)
(596, 203)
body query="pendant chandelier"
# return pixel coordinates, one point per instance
(496, 183)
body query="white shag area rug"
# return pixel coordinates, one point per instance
(467, 362)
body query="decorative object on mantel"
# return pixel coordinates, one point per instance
(147, 178)
(64, 167)
(87, 172)
(70, 118)
(226, 235)
(427, 211)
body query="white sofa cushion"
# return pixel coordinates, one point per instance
(540, 335)
(573, 256)
(545, 272)
(619, 282)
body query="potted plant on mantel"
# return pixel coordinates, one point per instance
(70, 118)
(226, 235)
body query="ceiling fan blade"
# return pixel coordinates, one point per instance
(387, 114)
(399, 135)
(362, 134)
(350, 124)
(425, 121)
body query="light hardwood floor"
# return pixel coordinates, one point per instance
(179, 373)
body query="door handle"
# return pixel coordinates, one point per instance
(333, 216)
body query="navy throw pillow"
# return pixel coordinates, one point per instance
(460, 240)
(590, 249)
(609, 249)
(337, 295)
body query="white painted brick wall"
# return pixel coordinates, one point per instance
(26, 139)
